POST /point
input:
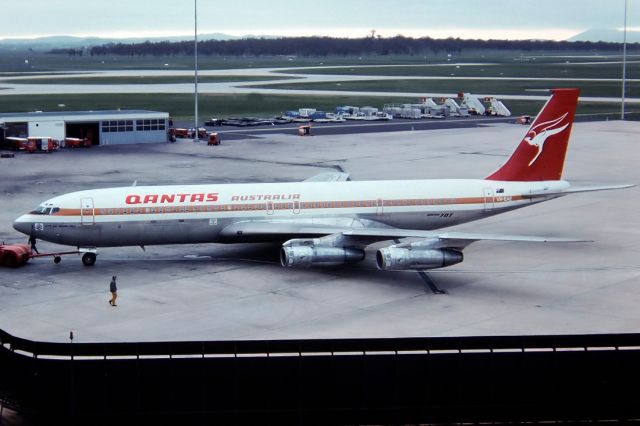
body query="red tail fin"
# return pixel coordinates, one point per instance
(540, 155)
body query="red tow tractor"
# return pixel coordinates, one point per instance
(14, 255)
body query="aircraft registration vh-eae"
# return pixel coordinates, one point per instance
(327, 219)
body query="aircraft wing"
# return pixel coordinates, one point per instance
(577, 189)
(364, 236)
(328, 177)
(281, 230)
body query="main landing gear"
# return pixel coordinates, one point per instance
(89, 258)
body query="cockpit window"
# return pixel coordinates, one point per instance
(55, 210)
(41, 210)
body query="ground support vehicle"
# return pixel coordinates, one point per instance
(15, 255)
(213, 139)
(213, 122)
(41, 144)
(180, 132)
(304, 130)
(77, 143)
(15, 143)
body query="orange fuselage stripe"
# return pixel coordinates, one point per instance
(306, 205)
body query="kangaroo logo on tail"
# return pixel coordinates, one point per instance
(549, 135)
(537, 137)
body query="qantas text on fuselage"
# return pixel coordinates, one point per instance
(211, 197)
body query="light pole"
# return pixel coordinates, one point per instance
(195, 54)
(624, 59)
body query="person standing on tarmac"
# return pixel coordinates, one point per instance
(32, 242)
(113, 288)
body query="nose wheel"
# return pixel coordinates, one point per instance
(88, 259)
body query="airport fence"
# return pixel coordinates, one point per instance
(331, 347)
(394, 380)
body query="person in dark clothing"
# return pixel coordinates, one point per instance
(32, 241)
(113, 288)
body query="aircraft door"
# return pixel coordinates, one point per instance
(379, 207)
(489, 199)
(87, 211)
(269, 207)
(296, 207)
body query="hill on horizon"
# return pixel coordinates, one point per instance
(75, 42)
(606, 34)
(78, 42)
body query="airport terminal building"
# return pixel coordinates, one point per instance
(101, 127)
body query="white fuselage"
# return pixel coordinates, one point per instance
(148, 215)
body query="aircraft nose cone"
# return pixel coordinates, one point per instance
(22, 225)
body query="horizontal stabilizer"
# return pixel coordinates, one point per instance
(578, 189)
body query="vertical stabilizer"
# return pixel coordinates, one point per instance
(540, 155)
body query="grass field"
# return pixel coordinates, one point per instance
(27, 61)
(454, 86)
(529, 69)
(36, 61)
(180, 106)
(147, 79)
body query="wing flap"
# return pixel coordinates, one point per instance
(454, 239)
(329, 177)
(284, 230)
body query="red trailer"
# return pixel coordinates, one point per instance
(15, 255)
(41, 144)
(180, 132)
(77, 143)
(15, 143)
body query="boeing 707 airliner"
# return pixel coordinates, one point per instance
(327, 219)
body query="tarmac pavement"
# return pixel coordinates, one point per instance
(213, 291)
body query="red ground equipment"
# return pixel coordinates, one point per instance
(77, 143)
(202, 133)
(14, 143)
(524, 119)
(214, 139)
(304, 130)
(15, 255)
(41, 144)
(181, 133)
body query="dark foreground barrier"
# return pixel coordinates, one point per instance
(381, 381)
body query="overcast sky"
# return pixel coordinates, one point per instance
(549, 19)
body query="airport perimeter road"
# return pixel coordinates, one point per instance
(213, 291)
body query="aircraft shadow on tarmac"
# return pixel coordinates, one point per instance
(268, 253)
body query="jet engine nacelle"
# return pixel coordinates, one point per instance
(398, 258)
(305, 253)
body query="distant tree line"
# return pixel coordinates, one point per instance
(325, 46)
(70, 52)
